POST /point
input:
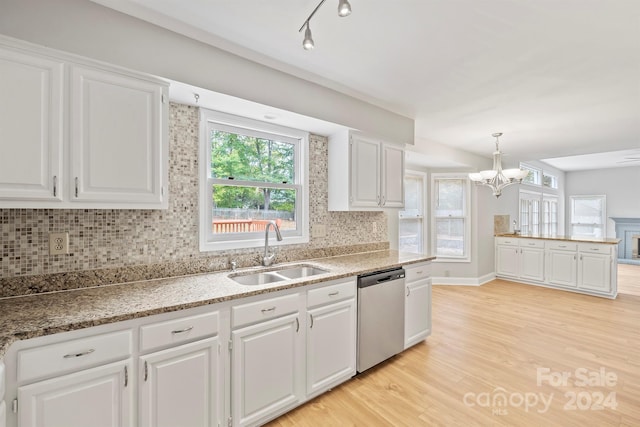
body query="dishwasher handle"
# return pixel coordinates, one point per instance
(380, 277)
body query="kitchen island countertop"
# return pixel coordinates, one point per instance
(605, 240)
(45, 314)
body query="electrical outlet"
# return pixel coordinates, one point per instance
(319, 230)
(58, 243)
(375, 227)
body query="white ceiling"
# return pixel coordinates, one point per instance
(558, 78)
(612, 159)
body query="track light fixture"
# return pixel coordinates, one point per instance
(307, 43)
(344, 9)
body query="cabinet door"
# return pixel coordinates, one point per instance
(365, 173)
(562, 268)
(594, 272)
(118, 147)
(181, 386)
(392, 177)
(31, 127)
(95, 397)
(266, 367)
(417, 312)
(507, 260)
(532, 264)
(331, 345)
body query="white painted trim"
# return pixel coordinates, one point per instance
(463, 281)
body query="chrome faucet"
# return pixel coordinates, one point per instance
(267, 260)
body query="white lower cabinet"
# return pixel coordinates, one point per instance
(3, 406)
(331, 338)
(417, 308)
(97, 397)
(594, 272)
(266, 369)
(180, 386)
(579, 266)
(562, 267)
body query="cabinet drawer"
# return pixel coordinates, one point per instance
(73, 355)
(177, 331)
(417, 272)
(331, 293)
(508, 241)
(562, 246)
(594, 248)
(531, 243)
(268, 308)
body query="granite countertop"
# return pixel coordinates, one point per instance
(44, 314)
(610, 241)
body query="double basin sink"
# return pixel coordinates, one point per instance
(285, 273)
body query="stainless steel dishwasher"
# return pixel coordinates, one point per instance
(380, 317)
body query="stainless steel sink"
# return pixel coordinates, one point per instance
(298, 272)
(258, 279)
(285, 273)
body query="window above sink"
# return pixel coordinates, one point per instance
(251, 173)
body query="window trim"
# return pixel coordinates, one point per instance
(466, 257)
(603, 214)
(539, 171)
(256, 128)
(402, 216)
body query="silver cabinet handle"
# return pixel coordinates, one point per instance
(267, 310)
(384, 200)
(575, 257)
(146, 370)
(76, 186)
(126, 376)
(82, 353)
(297, 325)
(378, 199)
(595, 249)
(333, 294)
(408, 291)
(531, 244)
(182, 331)
(55, 185)
(311, 317)
(563, 246)
(419, 272)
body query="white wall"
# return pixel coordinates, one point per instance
(620, 185)
(86, 28)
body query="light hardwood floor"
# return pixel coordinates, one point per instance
(490, 340)
(629, 279)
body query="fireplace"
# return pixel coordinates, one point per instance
(628, 231)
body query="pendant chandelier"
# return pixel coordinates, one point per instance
(497, 178)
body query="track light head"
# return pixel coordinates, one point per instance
(344, 8)
(307, 43)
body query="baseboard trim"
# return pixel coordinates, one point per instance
(463, 281)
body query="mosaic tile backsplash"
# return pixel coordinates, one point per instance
(150, 239)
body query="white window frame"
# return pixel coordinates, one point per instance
(214, 119)
(546, 220)
(529, 197)
(554, 180)
(603, 215)
(537, 171)
(466, 256)
(419, 216)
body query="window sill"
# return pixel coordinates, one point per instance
(251, 243)
(448, 260)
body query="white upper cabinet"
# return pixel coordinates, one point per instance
(77, 134)
(115, 137)
(364, 173)
(31, 126)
